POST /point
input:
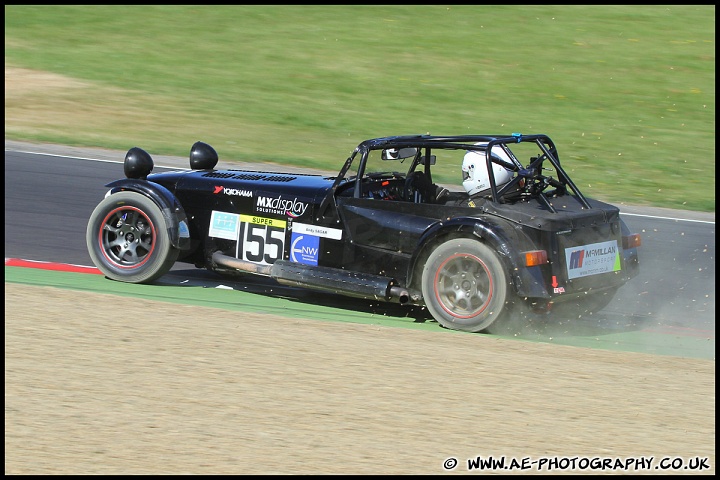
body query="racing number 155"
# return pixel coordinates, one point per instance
(261, 240)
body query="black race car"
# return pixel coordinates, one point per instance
(519, 238)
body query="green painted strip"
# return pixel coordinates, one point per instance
(226, 299)
(319, 307)
(640, 342)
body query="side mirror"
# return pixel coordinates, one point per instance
(433, 159)
(395, 154)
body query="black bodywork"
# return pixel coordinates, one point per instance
(369, 233)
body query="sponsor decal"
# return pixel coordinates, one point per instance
(592, 259)
(224, 225)
(304, 249)
(232, 191)
(272, 222)
(291, 207)
(260, 239)
(325, 232)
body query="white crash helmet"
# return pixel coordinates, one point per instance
(475, 174)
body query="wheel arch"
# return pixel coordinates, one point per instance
(525, 281)
(172, 210)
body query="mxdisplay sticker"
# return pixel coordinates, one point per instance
(592, 259)
(291, 207)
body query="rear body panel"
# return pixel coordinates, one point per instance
(584, 246)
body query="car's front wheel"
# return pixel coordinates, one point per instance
(127, 239)
(464, 285)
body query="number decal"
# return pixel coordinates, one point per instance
(274, 237)
(261, 239)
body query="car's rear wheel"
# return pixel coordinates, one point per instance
(127, 239)
(464, 285)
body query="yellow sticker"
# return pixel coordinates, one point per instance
(271, 222)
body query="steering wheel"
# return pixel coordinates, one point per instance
(418, 182)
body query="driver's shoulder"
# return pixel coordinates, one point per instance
(480, 198)
(472, 201)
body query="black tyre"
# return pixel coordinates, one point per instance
(464, 285)
(127, 239)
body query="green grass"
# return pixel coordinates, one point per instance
(626, 92)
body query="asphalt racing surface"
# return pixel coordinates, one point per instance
(50, 192)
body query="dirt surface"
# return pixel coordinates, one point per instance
(99, 384)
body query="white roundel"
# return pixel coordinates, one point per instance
(475, 173)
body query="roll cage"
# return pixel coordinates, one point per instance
(529, 178)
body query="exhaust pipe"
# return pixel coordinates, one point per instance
(243, 265)
(402, 295)
(327, 279)
(335, 280)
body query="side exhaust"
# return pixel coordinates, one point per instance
(327, 279)
(237, 264)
